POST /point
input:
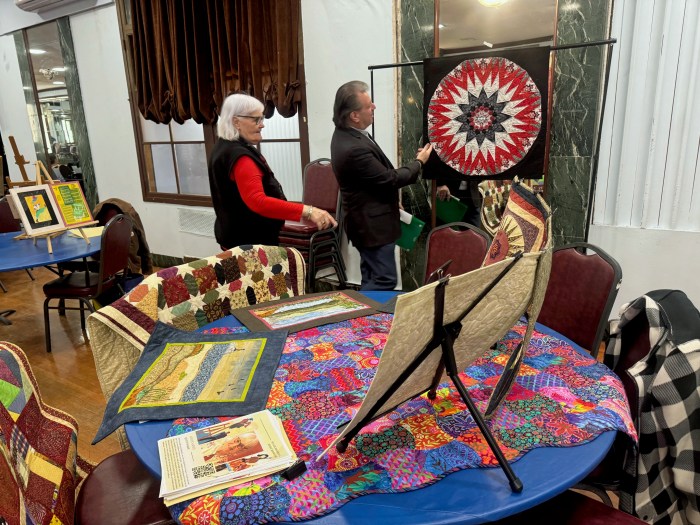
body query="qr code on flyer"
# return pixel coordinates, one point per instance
(202, 471)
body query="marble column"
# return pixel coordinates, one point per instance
(578, 83)
(78, 113)
(415, 21)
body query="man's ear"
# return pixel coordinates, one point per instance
(354, 117)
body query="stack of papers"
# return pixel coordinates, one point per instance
(223, 455)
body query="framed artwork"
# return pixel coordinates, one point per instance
(306, 311)
(71, 203)
(486, 114)
(37, 209)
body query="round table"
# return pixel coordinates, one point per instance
(468, 496)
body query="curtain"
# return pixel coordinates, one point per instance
(188, 55)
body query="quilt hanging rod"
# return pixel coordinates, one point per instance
(420, 63)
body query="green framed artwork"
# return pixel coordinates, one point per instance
(72, 204)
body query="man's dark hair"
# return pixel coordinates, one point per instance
(346, 101)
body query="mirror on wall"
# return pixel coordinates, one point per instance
(53, 104)
(478, 25)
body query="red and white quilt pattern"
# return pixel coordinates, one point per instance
(484, 116)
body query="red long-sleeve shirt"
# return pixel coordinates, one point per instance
(248, 177)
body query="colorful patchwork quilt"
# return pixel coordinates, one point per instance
(560, 398)
(40, 469)
(188, 297)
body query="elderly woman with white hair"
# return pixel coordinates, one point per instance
(248, 200)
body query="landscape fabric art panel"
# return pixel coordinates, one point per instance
(307, 311)
(486, 114)
(189, 374)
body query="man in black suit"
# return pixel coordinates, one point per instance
(369, 185)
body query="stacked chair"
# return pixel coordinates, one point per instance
(320, 249)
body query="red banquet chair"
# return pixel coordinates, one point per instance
(580, 294)
(320, 249)
(120, 491)
(461, 243)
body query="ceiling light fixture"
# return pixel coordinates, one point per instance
(48, 73)
(492, 3)
(56, 83)
(58, 69)
(35, 51)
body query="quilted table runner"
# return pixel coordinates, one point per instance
(561, 398)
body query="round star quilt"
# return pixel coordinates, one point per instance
(484, 116)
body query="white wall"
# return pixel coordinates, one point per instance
(341, 39)
(651, 260)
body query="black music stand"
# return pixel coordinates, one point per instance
(422, 371)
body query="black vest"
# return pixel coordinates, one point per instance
(236, 224)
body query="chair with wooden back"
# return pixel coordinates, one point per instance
(580, 294)
(461, 243)
(86, 286)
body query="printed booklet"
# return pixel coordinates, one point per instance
(222, 455)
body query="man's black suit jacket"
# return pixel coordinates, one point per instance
(369, 186)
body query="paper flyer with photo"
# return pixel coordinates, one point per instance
(222, 455)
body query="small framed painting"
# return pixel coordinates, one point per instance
(71, 203)
(37, 209)
(306, 311)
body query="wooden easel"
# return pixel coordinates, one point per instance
(21, 162)
(43, 177)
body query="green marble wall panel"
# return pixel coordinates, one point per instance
(415, 32)
(80, 132)
(578, 82)
(570, 187)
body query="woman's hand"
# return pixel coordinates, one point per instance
(321, 218)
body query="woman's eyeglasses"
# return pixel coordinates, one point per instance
(257, 120)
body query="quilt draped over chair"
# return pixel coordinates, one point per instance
(188, 297)
(40, 469)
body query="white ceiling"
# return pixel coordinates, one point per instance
(467, 23)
